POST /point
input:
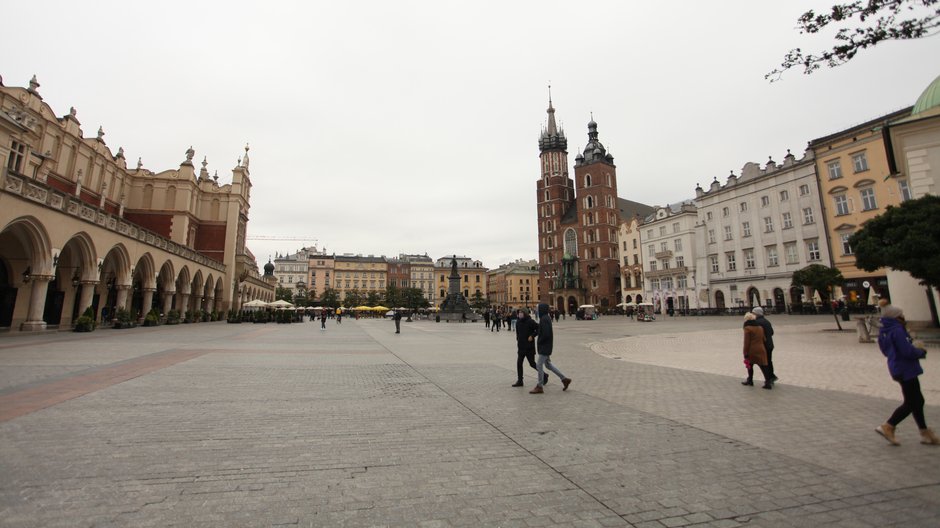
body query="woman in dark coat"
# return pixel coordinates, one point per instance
(904, 367)
(755, 352)
(526, 331)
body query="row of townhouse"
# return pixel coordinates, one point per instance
(738, 243)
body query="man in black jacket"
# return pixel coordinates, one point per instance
(545, 343)
(526, 331)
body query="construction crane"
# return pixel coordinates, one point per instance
(282, 237)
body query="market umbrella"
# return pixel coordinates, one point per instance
(380, 308)
(280, 303)
(872, 297)
(256, 303)
(362, 308)
(816, 298)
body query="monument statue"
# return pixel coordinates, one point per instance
(455, 306)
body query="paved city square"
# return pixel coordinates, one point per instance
(216, 424)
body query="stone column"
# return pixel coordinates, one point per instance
(168, 302)
(184, 305)
(210, 304)
(121, 300)
(147, 301)
(197, 303)
(37, 303)
(86, 296)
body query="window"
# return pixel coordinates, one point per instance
(681, 282)
(17, 155)
(868, 199)
(835, 169)
(860, 162)
(651, 249)
(725, 212)
(649, 233)
(764, 201)
(652, 265)
(842, 204)
(749, 259)
(678, 244)
(905, 190)
(846, 248)
(667, 283)
(634, 244)
(680, 261)
(746, 229)
(663, 246)
(571, 242)
(792, 256)
(732, 264)
(808, 216)
(787, 221)
(804, 189)
(812, 250)
(711, 236)
(784, 196)
(675, 227)
(587, 180)
(713, 260)
(708, 215)
(654, 284)
(772, 256)
(728, 235)
(768, 224)
(743, 206)
(662, 230)
(665, 263)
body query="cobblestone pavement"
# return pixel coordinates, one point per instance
(287, 425)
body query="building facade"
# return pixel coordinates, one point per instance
(669, 247)
(79, 229)
(364, 275)
(756, 230)
(631, 264)
(293, 270)
(399, 273)
(853, 176)
(472, 277)
(514, 284)
(421, 268)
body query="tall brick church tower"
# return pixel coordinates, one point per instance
(578, 222)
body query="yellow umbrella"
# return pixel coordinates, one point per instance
(380, 308)
(362, 308)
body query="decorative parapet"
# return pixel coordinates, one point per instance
(44, 195)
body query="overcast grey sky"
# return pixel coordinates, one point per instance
(412, 126)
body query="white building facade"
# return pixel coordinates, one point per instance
(756, 230)
(668, 251)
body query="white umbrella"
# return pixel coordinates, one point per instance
(626, 304)
(872, 297)
(256, 303)
(280, 303)
(816, 298)
(586, 306)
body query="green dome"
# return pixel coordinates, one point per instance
(929, 99)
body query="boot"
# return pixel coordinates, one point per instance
(565, 382)
(887, 431)
(749, 382)
(537, 390)
(928, 437)
(517, 384)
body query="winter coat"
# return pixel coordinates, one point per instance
(526, 328)
(895, 344)
(768, 332)
(754, 348)
(546, 337)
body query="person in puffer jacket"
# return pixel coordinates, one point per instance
(545, 340)
(904, 367)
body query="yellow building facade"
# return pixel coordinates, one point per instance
(472, 278)
(514, 284)
(856, 184)
(361, 274)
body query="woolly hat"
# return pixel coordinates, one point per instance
(757, 310)
(891, 312)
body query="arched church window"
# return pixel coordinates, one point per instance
(587, 180)
(571, 242)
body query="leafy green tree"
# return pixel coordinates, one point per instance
(301, 297)
(373, 298)
(880, 20)
(822, 279)
(905, 237)
(393, 296)
(330, 298)
(285, 294)
(414, 298)
(479, 302)
(353, 298)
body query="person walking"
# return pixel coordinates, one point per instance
(754, 351)
(545, 343)
(497, 317)
(768, 341)
(397, 318)
(486, 318)
(904, 367)
(323, 320)
(526, 331)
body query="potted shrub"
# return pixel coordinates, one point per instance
(188, 317)
(86, 322)
(173, 317)
(123, 319)
(152, 318)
